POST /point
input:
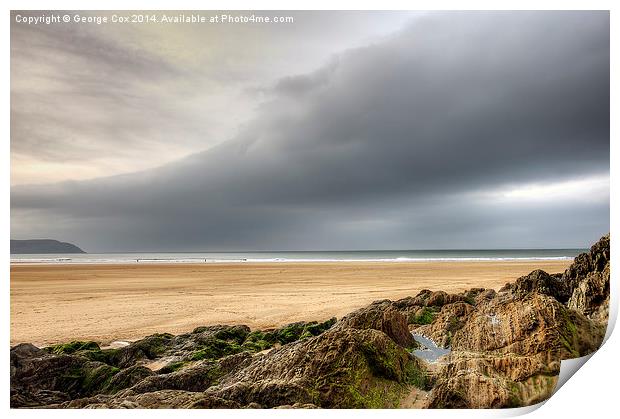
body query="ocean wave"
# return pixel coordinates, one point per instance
(23, 261)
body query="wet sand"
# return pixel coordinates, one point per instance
(59, 303)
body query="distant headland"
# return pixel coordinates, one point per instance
(43, 246)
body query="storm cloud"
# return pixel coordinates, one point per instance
(459, 130)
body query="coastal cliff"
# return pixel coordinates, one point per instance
(505, 351)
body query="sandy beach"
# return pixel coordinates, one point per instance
(59, 303)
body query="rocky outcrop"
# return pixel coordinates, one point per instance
(589, 279)
(507, 349)
(305, 364)
(80, 369)
(343, 367)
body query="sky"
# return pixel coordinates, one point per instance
(339, 131)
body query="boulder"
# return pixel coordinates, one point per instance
(383, 316)
(41, 379)
(148, 348)
(541, 282)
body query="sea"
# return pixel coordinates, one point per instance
(302, 256)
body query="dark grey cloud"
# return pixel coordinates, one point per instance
(431, 137)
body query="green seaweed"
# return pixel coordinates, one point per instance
(514, 395)
(86, 379)
(568, 335)
(107, 356)
(97, 378)
(236, 333)
(426, 317)
(72, 347)
(266, 336)
(237, 339)
(172, 367)
(416, 377)
(256, 346)
(151, 346)
(258, 341)
(290, 333)
(295, 331)
(305, 335)
(369, 391)
(214, 348)
(315, 328)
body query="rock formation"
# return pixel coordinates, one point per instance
(507, 346)
(315, 364)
